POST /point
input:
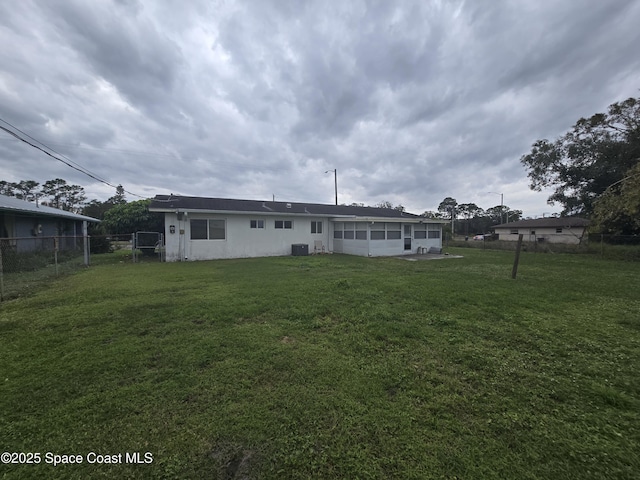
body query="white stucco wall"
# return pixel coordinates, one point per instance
(241, 240)
(549, 235)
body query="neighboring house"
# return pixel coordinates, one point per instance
(570, 230)
(199, 228)
(26, 224)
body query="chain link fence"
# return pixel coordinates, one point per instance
(613, 247)
(139, 246)
(30, 262)
(26, 263)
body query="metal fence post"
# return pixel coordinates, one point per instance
(85, 235)
(55, 254)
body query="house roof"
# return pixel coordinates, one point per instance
(169, 203)
(551, 222)
(15, 205)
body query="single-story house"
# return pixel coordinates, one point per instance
(569, 230)
(25, 225)
(198, 228)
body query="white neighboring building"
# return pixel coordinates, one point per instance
(198, 228)
(569, 230)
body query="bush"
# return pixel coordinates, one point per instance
(101, 244)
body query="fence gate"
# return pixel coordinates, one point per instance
(147, 244)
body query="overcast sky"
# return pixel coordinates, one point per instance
(410, 101)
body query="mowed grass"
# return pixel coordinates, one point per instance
(329, 367)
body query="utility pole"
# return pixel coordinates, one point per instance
(501, 205)
(335, 179)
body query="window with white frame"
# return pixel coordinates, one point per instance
(394, 231)
(349, 230)
(386, 231)
(434, 233)
(378, 231)
(211, 229)
(361, 231)
(284, 224)
(256, 223)
(338, 228)
(420, 231)
(513, 231)
(316, 227)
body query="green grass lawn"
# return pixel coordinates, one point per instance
(329, 367)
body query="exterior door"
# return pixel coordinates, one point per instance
(407, 237)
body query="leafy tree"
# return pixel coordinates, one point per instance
(119, 197)
(599, 151)
(469, 211)
(64, 196)
(6, 188)
(617, 211)
(25, 189)
(514, 215)
(431, 214)
(96, 209)
(385, 204)
(448, 207)
(133, 217)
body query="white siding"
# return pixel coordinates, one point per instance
(381, 248)
(241, 240)
(549, 235)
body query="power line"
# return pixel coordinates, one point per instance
(49, 148)
(67, 162)
(142, 153)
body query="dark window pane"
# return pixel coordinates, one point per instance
(216, 230)
(198, 229)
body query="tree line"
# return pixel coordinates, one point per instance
(117, 216)
(55, 193)
(469, 218)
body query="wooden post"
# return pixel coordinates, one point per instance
(514, 272)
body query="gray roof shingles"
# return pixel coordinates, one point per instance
(551, 222)
(165, 203)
